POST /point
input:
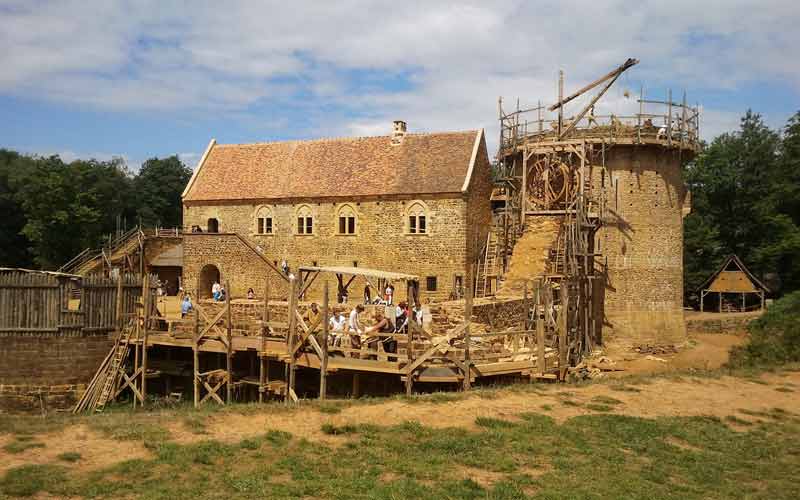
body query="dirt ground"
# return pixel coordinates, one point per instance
(638, 394)
(649, 397)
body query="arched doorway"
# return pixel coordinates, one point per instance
(208, 275)
(213, 225)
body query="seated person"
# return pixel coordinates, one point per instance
(251, 294)
(338, 323)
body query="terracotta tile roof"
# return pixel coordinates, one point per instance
(361, 166)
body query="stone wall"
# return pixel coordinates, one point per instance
(237, 263)
(47, 371)
(642, 240)
(381, 242)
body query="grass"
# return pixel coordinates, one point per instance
(69, 456)
(22, 443)
(530, 457)
(606, 400)
(598, 407)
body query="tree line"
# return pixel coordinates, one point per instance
(745, 189)
(52, 210)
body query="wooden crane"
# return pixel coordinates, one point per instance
(609, 77)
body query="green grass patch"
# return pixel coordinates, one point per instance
(624, 388)
(28, 480)
(598, 407)
(336, 430)
(20, 445)
(138, 427)
(774, 337)
(69, 456)
(530, 457)
(606, 400)
(547, 407)
(738, 421)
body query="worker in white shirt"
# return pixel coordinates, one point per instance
(355, 326)
(338, 322)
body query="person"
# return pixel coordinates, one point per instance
(367, 294)
(285, 267)
(338, 323)
(418, 314)
(222, 293)
(251, 294)
(186, 305)
(389, 294)
(401, 317)
(215, 288)
(354, 325)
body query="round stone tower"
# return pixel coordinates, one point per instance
(640, 242)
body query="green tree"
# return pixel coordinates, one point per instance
(742, 187)
(158, 187)
(14, 251)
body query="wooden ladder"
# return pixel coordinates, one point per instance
(113, 371)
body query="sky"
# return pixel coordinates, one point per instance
(136, 80)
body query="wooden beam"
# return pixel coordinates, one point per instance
(615, 72)
(323, 370)
(467, 320)
(263, 371)
(291, 335)
(229, 337)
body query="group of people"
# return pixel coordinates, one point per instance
(355, 328)
(218, 292)
(386, 299)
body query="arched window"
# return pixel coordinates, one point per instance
(347, 220)
(305, 221)
(417, 219)
(264, 223)
(213, 225)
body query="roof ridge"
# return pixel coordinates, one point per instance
(342, 138)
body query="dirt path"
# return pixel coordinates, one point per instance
(651, 397)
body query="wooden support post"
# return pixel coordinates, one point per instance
(292, 338)
(120, 321)
(702, 296)
(540, 328)
(524, 192)
(762, 299)
(467, 320)
(196, 353)
(410, 350)
(720, 301)
(263, 370)
(229, 353)
(356, 385)
(743, 303)
(526, 306)
(562, 330)
(147, 306)
(323, 363)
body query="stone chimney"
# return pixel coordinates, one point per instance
(399, 132)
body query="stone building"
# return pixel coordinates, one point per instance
(412, 203)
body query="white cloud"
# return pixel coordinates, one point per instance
(223, 62)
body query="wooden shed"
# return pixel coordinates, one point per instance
(734, 286)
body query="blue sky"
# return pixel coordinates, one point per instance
(141, 79)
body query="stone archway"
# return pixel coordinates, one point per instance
(208, 275)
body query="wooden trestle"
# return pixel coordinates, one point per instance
(541, 347)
